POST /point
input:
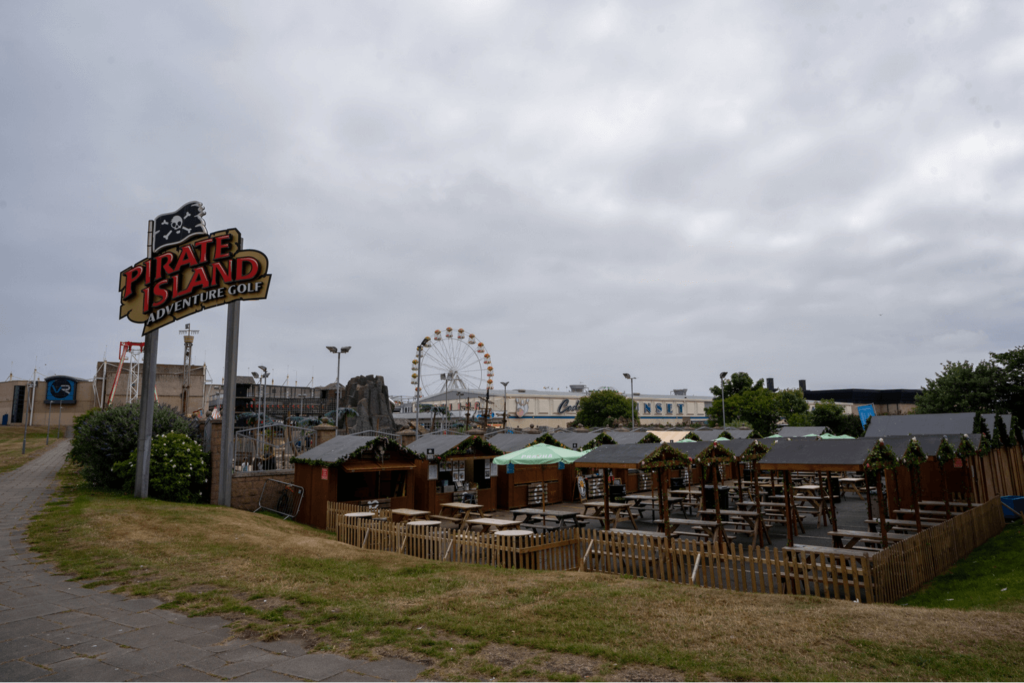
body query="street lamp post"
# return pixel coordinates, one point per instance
(721, 378)
(504, 403)
(632, 404)
(337, 383)
(419, 375)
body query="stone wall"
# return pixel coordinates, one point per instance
(245, 486)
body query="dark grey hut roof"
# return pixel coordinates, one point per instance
(575, 440)
(434, 446)
(624, 438)
(929, 423)
(618, 455)
(801, 431)
(508, 443)
(835, 455)
(337, 449)
(736, 432)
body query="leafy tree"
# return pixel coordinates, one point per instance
(827, 414)
(756, 407)
(793, 406)
(1010, 386)
(962, 388)
(603, 407)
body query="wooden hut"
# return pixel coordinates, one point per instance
(524, 486)
(357, 469)
(456, 468)
(652, 458)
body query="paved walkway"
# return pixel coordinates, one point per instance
(54, 629)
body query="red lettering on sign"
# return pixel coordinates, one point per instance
(131, 277)
(222, 273)
(160, 293)
(199, 279)
(241, 273)
(186, 259)
(202, 245)
(221, 247)
(163, 265)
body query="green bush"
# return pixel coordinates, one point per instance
(177, 469)
(106, 437)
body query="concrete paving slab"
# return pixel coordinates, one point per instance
(85, 669)
(315, 667)
(103, 629)
(65, 637)
(21, 671)
(95, 647)
(153, 659)
(292, 648)
(138, 619)
(24, 627)
(215, 641)
(265, 675)
(73, 618)
(245, 653)
(178, 673)
(23, 647)
(47, 658)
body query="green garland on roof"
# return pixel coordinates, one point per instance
(650, 437)
(691, 437)
(474, 445)
(715, 453)
(914, 455)
(965, 449)
(945, 453)
(665, 458)
(724, 435)
(369, 448)
(601, 439)
(881, 457)
(548, 439)
(754, 452)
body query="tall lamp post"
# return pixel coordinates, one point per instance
(337, 383)
(632, 404)
(417, 371)
(504, 403)
(721, 378)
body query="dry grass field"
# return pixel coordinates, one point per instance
(11, 456)
(278, 578)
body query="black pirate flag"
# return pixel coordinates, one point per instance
(172, 229)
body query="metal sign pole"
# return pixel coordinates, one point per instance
(146, 400)
(227, 438)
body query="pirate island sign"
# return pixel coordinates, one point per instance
(189, 270)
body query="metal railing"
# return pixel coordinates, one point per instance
(270, 448)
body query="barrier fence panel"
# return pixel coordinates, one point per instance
(868, 576)
(281, 497)
(271, 447)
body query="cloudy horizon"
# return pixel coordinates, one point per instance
(821, 191)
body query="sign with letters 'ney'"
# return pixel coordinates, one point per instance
(190, 270)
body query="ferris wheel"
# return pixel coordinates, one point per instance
(451, 360)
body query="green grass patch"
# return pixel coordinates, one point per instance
(12, 438)
(991, 577)
(276, 578)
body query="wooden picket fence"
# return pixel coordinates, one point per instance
(904, 567)
(556, 550)
(337, 510)
(884, 576)
(816, 571)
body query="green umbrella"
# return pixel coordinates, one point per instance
(539, 454)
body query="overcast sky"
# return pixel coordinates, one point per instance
(804, 190)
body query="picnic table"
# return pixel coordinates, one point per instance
(644, 502)
(749, 519)
(460, 513)
(493, 523)
(855, 537)
(617, 512)
(537, 518)
(398, 515)
(854, 484)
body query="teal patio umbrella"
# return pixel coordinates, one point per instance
(540, 454)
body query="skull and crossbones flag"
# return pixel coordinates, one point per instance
(172, 229)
